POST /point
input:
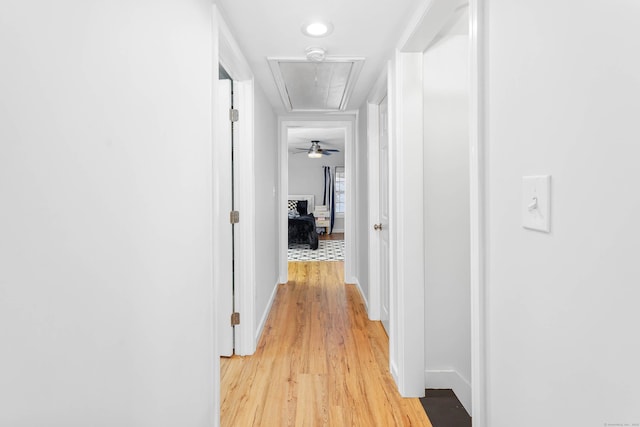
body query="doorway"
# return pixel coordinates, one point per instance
(432, 131)
(243, 243)
(431, 136)
(316, 202)
(312, 176)
(445, 93)
(378, 178)
(226, 230)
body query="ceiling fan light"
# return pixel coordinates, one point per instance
(314, 154)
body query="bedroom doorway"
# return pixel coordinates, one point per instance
(315, 196)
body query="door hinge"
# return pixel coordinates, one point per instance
(234, 217)
(234, 115)
(235, 318)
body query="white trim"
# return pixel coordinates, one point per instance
(283, 196)
(246, 229)
(450, 379)
(393, 324)
(350, 202)
(234, 62)
(215, 382)
(364, 298)
(426, 22)
(376, 96)
(407, 252)
(230, 54)
(414, 22)
(347, 122)
(222, 256)
(479, 225)
(393, 368)
(265, 314)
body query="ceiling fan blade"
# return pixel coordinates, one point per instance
(331, 149)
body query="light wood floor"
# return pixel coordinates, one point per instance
(320, 362)
(332, 236)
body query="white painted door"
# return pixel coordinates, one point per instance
(224, 259)
(383, 223)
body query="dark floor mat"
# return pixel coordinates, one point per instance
(444, 409)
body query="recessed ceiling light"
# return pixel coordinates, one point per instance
(317, 29)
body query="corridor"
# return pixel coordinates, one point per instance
(320, 361)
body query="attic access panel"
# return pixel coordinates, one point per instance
(315, 86)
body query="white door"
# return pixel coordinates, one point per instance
(383, 224)
(224, 259)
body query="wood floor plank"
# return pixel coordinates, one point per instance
(320, 362)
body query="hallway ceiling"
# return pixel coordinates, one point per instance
(315, 86)
(361, 28)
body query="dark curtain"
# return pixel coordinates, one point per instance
(327, 198)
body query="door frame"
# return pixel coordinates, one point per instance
(478, 172)
(231, 58)
(347, 122)
(399, 81)
(378, 92)
(415, 40)
(222, 173)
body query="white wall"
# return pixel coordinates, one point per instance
(266, 182)
(307, 177)
(105, 227)
(563, 99)
(446, 217)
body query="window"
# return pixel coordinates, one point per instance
(340, 190)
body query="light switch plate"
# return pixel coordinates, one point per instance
(536, 202)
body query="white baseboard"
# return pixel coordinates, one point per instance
(450, 379)
(265, 315)
(338, 230)
(364, 297)
(394, 373)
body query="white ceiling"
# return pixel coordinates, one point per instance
(362, 28)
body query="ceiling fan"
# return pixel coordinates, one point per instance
(315, 151)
